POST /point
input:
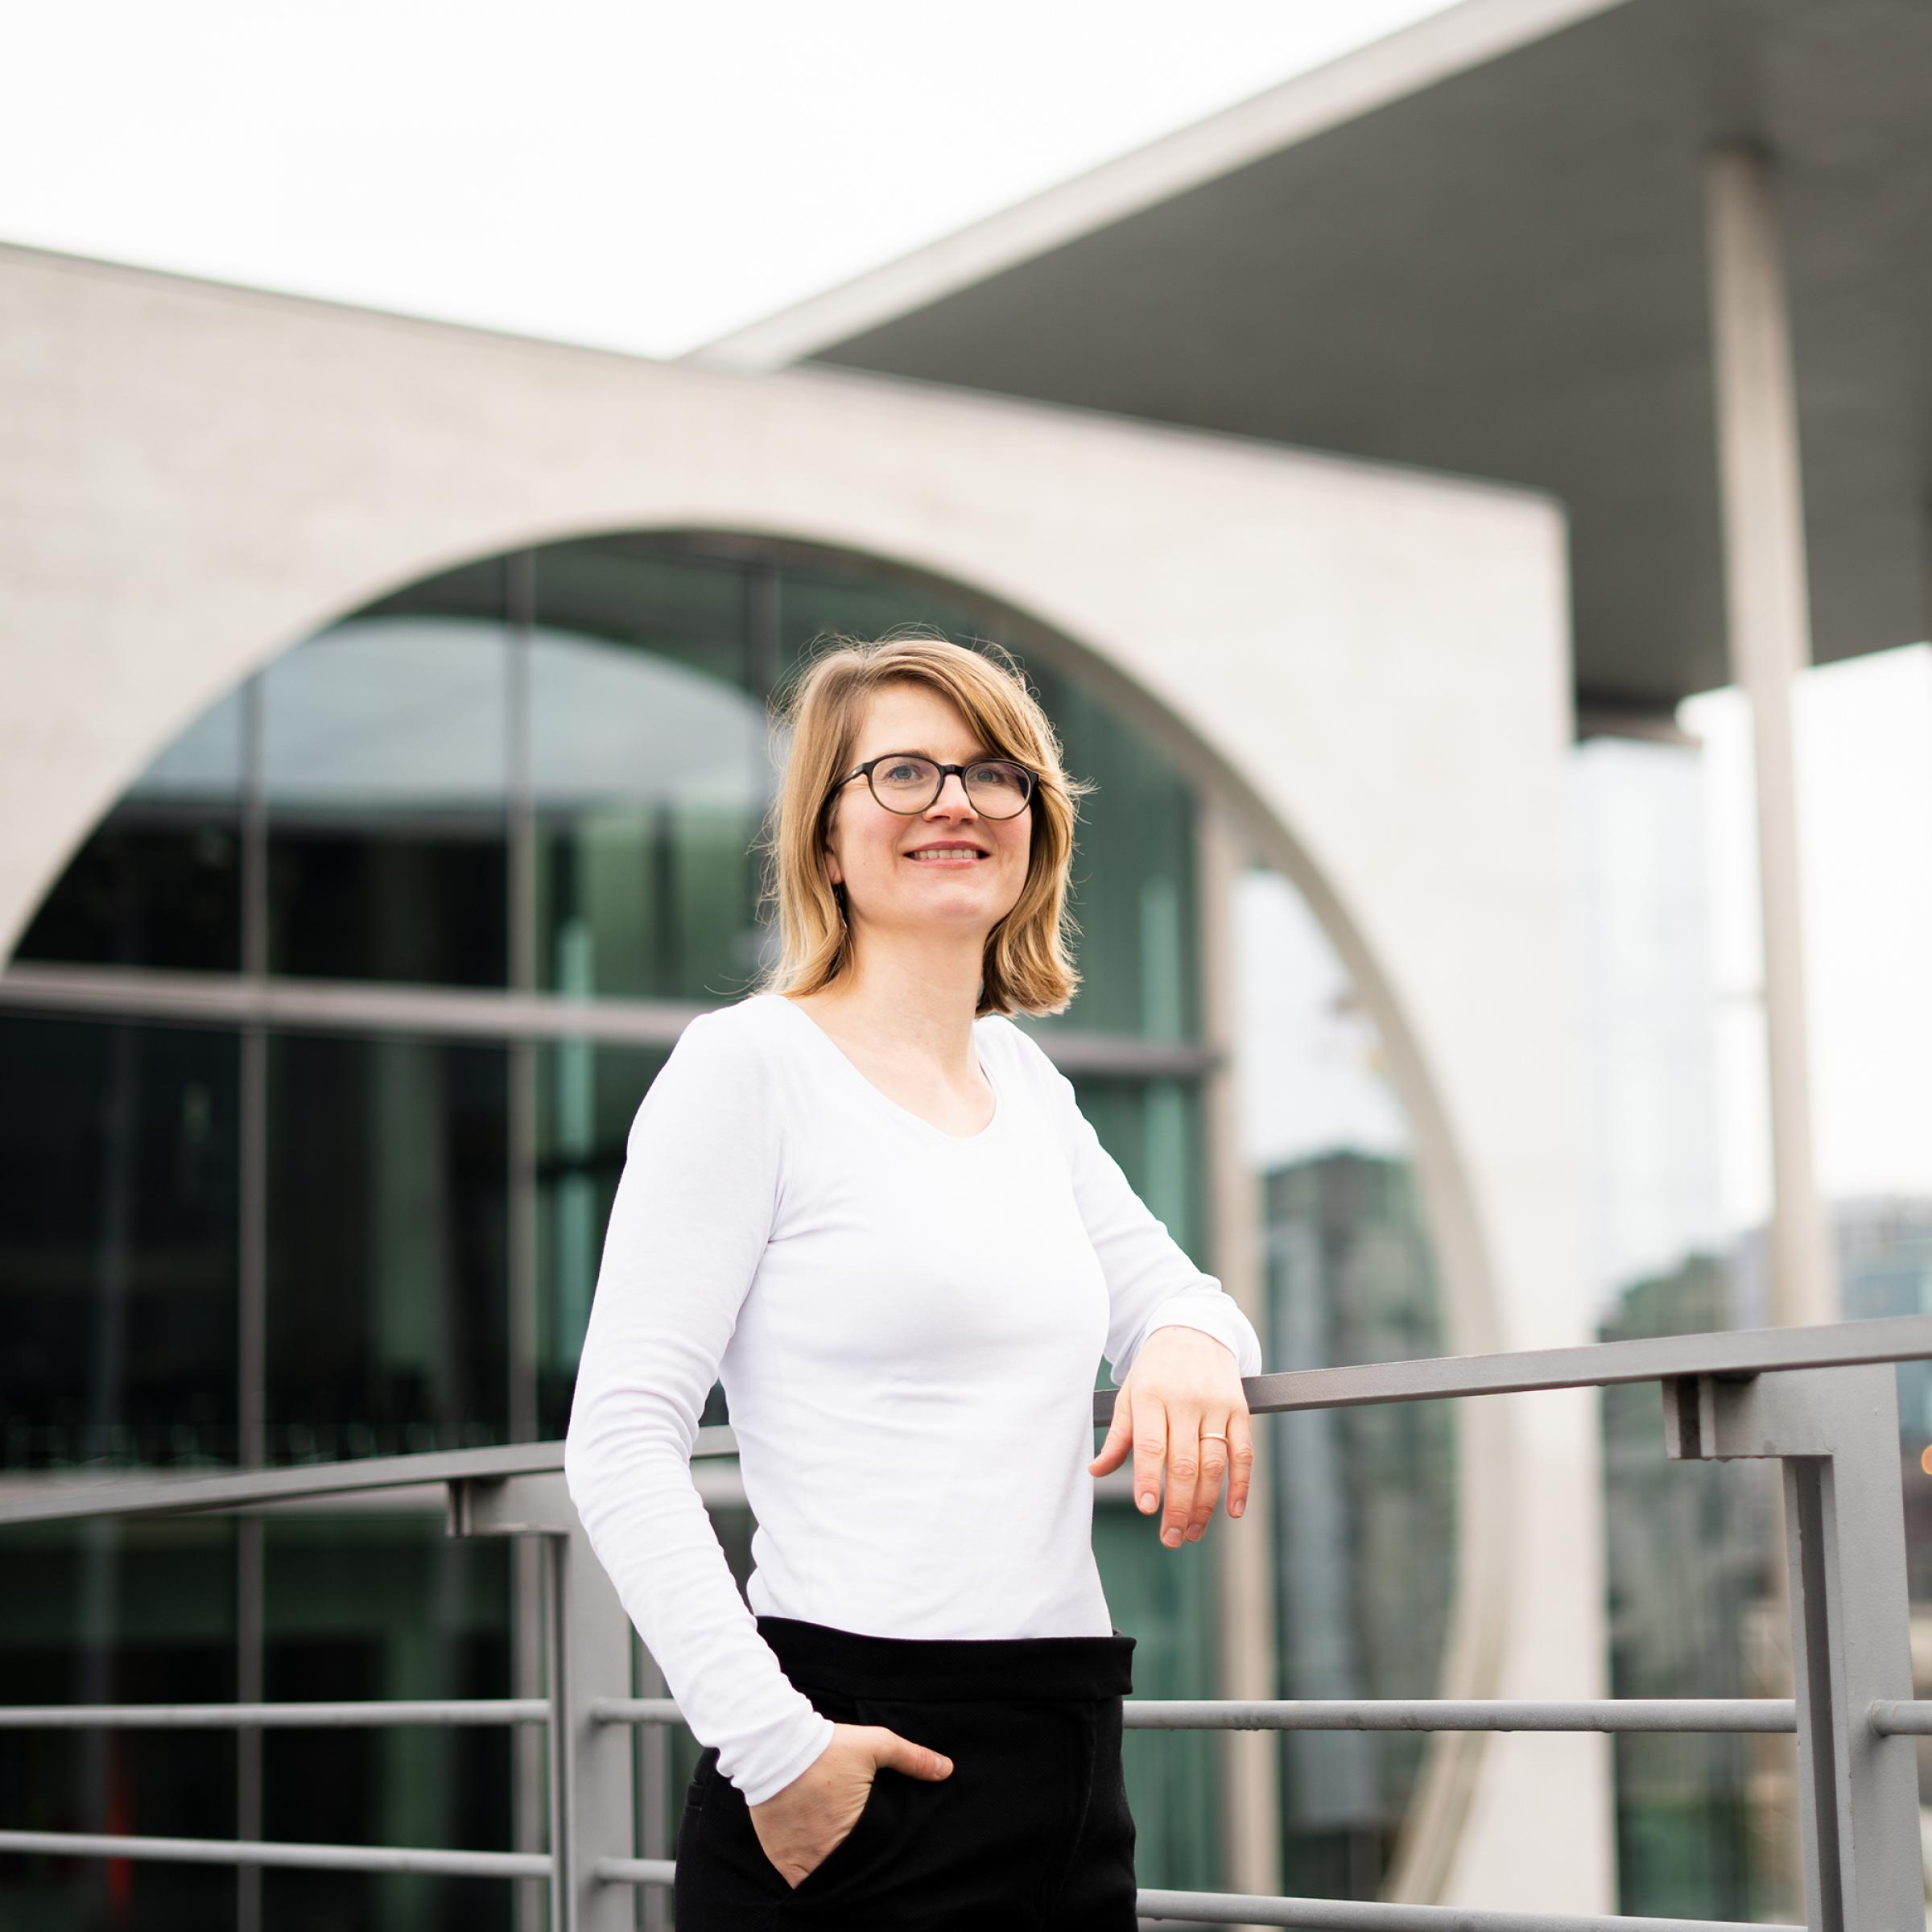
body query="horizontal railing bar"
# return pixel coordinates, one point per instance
(275, 1717)
(1597, 1364)
(1319, 1914)
(366, 1006)
(1353, 1915)
(1730, 1352)
(163, 1494)
(310, 1858)
(1686, 1714)
(636, 1711)
(636, 1870)
(1615, 1713)
(69, 1500)
(355, 1006)
(1899, 1717)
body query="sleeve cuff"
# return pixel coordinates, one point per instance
(1214, 1315)
(801, 1754)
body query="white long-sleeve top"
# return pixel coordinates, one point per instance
(907, 1324)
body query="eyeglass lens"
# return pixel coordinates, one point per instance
(997, 789)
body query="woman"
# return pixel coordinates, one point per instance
(867, 1201)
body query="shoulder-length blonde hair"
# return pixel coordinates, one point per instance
(1028, 961)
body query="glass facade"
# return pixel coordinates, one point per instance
(371, 1223)
(158, 883)
(1366, 1507)
(587, 1094)
(1687, 1546)
(384, 1606)
(385, 753)
(119, 1283)
(1364, 1498)
(649, 772)
(134, 1612)
(1675, 1139)
(387, 1302)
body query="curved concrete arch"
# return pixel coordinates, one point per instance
(1468, 1670)
(1374, 659)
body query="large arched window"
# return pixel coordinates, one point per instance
(360, 983)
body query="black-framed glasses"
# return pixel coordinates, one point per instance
(907, 781)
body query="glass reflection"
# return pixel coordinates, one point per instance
(387, 1304)
(386, 759)
(1134, 892)
(651, 774)
(1365, 1504)
(1165, 1598)
(1364, 1498)
(1686, 1546)
(159, 881)
(586, 1097)
(372, 1606)
(652, 597)
(117, 1244)
(1152, 1127)
(1687, 1549)
(107, 1612)
(864, 602)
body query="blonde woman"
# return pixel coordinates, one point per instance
(868, 1202)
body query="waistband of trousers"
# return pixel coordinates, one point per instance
(986, 1668)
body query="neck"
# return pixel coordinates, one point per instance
(913, 993)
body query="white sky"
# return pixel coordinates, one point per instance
(1865, 773)
(639, 176)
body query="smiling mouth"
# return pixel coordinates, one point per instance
(944, 855)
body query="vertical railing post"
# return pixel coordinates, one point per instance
(1836, 1432)
(651, 1762)
(588, 1656)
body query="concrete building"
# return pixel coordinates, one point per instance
(1346, 457)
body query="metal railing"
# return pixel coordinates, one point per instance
(1819, 1402)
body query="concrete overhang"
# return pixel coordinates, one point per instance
(1478, 246)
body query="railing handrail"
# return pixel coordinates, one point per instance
(1724, 1352)
(67, 1498)
(1726, 1395)
(435, 1860)
(1682, 1715)
(372, 1714)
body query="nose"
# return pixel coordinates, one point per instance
(958, 780)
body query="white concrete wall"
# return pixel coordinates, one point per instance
(1371, 666)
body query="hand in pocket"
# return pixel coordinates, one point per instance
(802, 1826)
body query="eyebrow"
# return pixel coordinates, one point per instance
(916, 751)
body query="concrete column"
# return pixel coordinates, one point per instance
(1244, 1547)
(1768, 610)
(1768, 617)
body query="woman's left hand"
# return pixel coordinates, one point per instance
(1182, 1382)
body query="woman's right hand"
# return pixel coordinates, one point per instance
(802, 1825)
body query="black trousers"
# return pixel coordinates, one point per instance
(1031, 1831)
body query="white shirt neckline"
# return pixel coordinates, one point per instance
(885, 1098)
